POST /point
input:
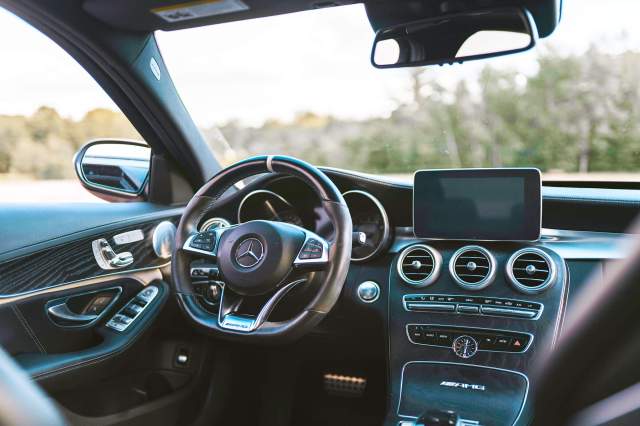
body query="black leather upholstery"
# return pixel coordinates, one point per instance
(21, 401)
(597, 354)
(56, 371)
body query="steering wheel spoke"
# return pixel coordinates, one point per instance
(204, 244)
(230, 319)
(314, 253)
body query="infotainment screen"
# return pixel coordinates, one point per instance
(477, 204)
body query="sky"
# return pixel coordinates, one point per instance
(274, 68)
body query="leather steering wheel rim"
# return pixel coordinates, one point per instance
(331, 279)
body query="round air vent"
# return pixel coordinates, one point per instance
(531, 270)
(419, 265)
(472, 267)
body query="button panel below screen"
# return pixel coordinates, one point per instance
(488, 339)
(473, 305)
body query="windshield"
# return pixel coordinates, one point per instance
(302, 85)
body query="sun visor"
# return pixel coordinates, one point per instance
(151, 15)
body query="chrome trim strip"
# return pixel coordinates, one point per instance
(217, 232)
(486, 281)
(435, 273)
(386, 233)
(526, 393)
(247, 324)
(143, 275)
(531, 336)
(551, 278)
(65, 313)
(187, 247)
(308, 235)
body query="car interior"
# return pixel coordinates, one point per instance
(272, 291)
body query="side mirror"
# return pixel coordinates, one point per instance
(454, 38)
(114, 169)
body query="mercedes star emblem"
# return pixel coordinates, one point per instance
(249, 252)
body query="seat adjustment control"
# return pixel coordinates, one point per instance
(107, 258)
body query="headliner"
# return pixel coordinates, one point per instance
(138, 15)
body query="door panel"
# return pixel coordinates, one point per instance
(27, 228)
(99, 375)
(74, 260)
(36, 278)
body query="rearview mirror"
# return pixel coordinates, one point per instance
(454, 38)
(114, 169)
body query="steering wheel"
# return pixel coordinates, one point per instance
(591, 376)
(260, 261)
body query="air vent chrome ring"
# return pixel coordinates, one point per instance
(472, 266)
(432, 276)
(548, 282)
(214, 222)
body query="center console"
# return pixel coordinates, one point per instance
(467, 318)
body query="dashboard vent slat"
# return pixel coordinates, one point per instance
(531, 270)
(472, 267)
(419, 265)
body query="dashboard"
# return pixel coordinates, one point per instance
(460, 322)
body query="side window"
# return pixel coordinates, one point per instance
(49, 107)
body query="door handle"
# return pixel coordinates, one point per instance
(82, 309)
(62, 312)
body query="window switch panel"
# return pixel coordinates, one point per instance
(128, 314)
